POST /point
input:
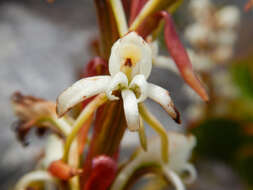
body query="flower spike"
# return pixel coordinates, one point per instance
(180, 56)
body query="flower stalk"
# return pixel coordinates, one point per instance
(82, 118)
(111, 95)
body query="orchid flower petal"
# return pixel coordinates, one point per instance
(81, 90)
(39, 175)
(192, 173)
(118, 81)
(174, 178)
(179, 55)
(131, 109)
(140, 84)
(162, 97)
(131, 53)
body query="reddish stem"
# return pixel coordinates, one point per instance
(96, 66)
(136, 6)
(82, 135)
(108, 131)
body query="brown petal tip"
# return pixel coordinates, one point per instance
(177, 119)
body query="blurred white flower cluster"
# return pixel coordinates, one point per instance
(212, 36)
(214, 31)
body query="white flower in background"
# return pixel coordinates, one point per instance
(200, 62)
(53, 150)
(180, 148)
(130, 65)
(200, 9)
(214, 31)
(228, 17)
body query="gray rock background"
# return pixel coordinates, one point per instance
(42, 48)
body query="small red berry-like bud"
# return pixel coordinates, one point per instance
(103, 173)
(248, 6)
(96, 66)
(61, 170)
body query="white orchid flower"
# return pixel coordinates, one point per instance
(180, 148)
(130, 64)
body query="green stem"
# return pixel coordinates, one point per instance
(149, 9)
(142, 135)
(73, 161)
(108, 131)
(120, 16)
(83, 117)
(158, 127)
(62, 125)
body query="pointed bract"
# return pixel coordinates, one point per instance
(179, 55)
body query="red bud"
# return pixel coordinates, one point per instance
(248, 6)
(96, 66)
(103, 173)
(63, 171)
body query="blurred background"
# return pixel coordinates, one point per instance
(44, 47)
